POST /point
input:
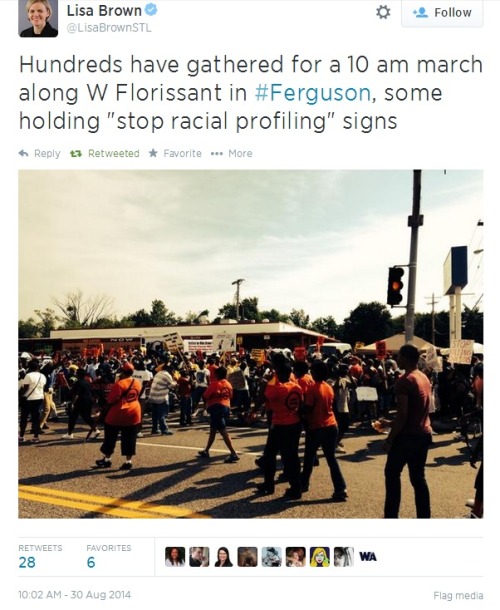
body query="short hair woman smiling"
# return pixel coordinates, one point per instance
(39, 13)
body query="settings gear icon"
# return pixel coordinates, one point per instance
(383, 11)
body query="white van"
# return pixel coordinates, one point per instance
(331, 349)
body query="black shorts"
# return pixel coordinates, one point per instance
(218, 416)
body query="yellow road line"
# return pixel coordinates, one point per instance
(116, 507)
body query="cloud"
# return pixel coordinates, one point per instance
(321, 241)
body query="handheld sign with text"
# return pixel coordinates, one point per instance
(381, 350)
(173, 342)
(461, 351)
(224, 342)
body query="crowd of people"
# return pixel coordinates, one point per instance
(315, 396)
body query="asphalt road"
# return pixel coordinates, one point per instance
(57, 478)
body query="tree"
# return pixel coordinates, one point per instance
(228, 311)
(158, 316)
(48, 321)
(299, 318)
(192, 317)
(28, 329)
(326, 326)
(472, 324)
(368, 322)
(140, 318)
(249, 309)
(423, 327)
(32, 329)
(81, 312)
(273, 315)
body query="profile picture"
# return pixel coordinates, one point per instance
(199, 556)
(247, 556)
(271, 557)
(38, 18)
(295, 556)
(223, 559)
(175, 556)
(319, 557)
(343, 556)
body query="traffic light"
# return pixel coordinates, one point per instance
(395, 285)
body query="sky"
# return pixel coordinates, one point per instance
(321, 241)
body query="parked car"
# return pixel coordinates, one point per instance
(331, 349)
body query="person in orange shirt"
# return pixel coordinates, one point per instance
(123, 417)
(218, 398)
(302, 375)
(284, 401)
(355, 370)
(321, 430)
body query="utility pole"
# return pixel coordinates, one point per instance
(238, 284)
(415, 221)
(433, 320)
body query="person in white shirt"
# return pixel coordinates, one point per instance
(31, 400)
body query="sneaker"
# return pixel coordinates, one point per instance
(140, 435)
(96, 433)
(167, 433)
(232, 458)
(340, 445)
(340, 450)
(67, 436)
(126, 466)
(21, 439)
(203, 454)
(103, 463)
(259, 462)
(45, 427)
(339, 496)
(35, 440)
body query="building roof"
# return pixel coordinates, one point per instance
(188, 330)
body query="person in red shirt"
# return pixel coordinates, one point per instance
(321, 430)
(218, 398)
(185, 388)
(123, 417)
(212, 365)
(284, 401)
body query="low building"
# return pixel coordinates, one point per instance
(195, 337)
